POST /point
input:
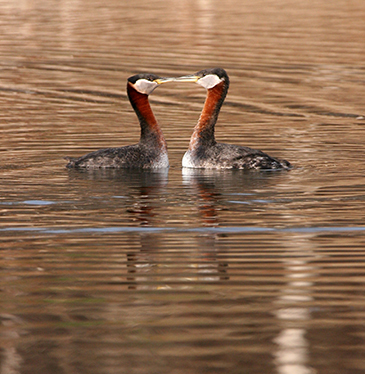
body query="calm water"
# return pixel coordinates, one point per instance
(182, 272)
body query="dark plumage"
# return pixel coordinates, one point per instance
(151, 151)
(128, 157)
(204, 151)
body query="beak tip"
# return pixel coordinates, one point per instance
(185, 78)
(188, 78)
(164, 80)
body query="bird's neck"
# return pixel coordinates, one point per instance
(203, 134)
(150, 130)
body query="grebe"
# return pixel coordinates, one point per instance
(204, 152)
(151, 151)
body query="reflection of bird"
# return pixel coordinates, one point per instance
(151, 151)
(204, 151)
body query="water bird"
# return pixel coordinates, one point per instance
(151, 150)
(204, 152)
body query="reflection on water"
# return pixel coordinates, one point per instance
(292, 355)
(182, 271)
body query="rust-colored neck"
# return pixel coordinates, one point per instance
(150, 130)
(203, 134)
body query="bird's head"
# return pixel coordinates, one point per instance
(208, 78)
(145, 83)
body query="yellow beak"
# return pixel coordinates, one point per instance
(188, 78)
(164, 80)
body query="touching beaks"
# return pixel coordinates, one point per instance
(188, 78)
(185, 78)
(164, 80)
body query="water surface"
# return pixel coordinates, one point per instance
(182, 271)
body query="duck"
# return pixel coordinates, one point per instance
(204, 151)
(151, 150)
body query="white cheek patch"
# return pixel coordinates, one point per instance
(144, 86)
(209, 81)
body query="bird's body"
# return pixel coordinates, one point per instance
(230, 156)
(129, 157)
(150, 152)
(204, 152)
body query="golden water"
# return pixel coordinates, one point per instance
(182, 271)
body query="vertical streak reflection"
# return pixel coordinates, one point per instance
(291, 355)
(11, 359)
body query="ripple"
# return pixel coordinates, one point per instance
(39, 202)
(205, 230)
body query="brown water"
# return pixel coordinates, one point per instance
(182, 271)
